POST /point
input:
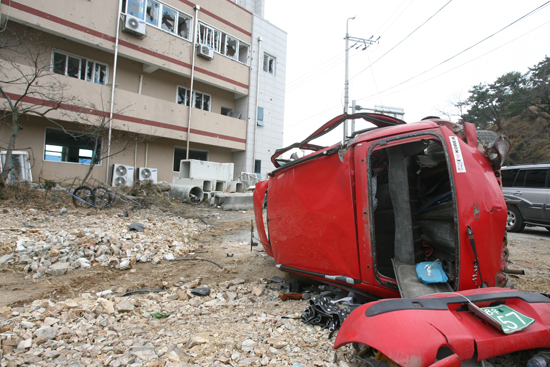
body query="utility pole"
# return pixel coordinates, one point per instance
(358, 42)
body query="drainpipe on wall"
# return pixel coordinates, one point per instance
(146, 153)
(113, 93)
(197, 8)
(256, 104)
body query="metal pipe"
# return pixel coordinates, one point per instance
(113, 93)
(140, 83)
(197, 8)
(146, 153)
(256, 103)
(346, 81)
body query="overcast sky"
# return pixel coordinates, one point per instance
(415, 75)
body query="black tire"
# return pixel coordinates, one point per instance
(103, 197)
(514, 223)
(86, 195)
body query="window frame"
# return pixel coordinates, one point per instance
(83, 70)
(260, 116)
(77, 136)
(192, 98)
(142, 14)
(268, 58)
(218, 41)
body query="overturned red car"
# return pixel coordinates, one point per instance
(362, 214)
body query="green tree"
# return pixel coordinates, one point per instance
(539, 83)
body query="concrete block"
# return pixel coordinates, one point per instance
(233, 201)
(192, 168)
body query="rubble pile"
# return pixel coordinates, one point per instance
(42, 243)
(239, 323)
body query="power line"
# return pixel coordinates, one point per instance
(309, 118)
(468, 48)
(410, 34)
(456, 67)
(318, 72)
(378, 30)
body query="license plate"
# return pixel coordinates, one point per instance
(509, 320)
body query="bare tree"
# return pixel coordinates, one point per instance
(95, 127)
(27, 85)
(30, 87)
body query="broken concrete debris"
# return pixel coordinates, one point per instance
(160, 330)
(58, 245)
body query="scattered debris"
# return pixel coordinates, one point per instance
(138, 227)
(143, 290)
(202, 291)
(197, 259)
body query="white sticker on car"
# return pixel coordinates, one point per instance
(457, 153)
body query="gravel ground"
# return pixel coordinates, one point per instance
(63, 274)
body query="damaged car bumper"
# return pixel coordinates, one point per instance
(442, 329)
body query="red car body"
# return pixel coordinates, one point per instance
(359, 214)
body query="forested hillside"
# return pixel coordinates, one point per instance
(518, 106)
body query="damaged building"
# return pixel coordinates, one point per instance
(169, 80)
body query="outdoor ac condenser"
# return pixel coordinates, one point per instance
(147, 174)
(122, 175)
(21, 166)
(134, 25)
(205, 51)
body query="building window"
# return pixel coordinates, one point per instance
(269, 64)
(258, 166)
(223, 43)
(181, 153)
(79, 67)
(227, 111)
(160, 15)
(200, 100)
(260, 117)
(71, 147)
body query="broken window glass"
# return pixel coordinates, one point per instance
(217, 41)
(136, 8)
(152, 15)
(231, 47)
(79, 67)
(183, 96)
(89, 70)
(100, 74)
(59, 63)
(73, 67)
(83, 69)
(168, 19)
(269, 64)
(198, 100)
(183, 26)
(243, 52)
(206, 102)
(61, 146)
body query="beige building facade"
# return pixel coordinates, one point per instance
(181, 73)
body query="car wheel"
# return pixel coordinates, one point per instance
(514, 223)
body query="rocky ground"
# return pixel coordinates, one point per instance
(64, 273)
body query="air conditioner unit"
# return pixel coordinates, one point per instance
(206, 51)
(122, 175)
(21, 166)
(134, 25)
(147, 174)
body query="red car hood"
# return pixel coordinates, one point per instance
(411, 331)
